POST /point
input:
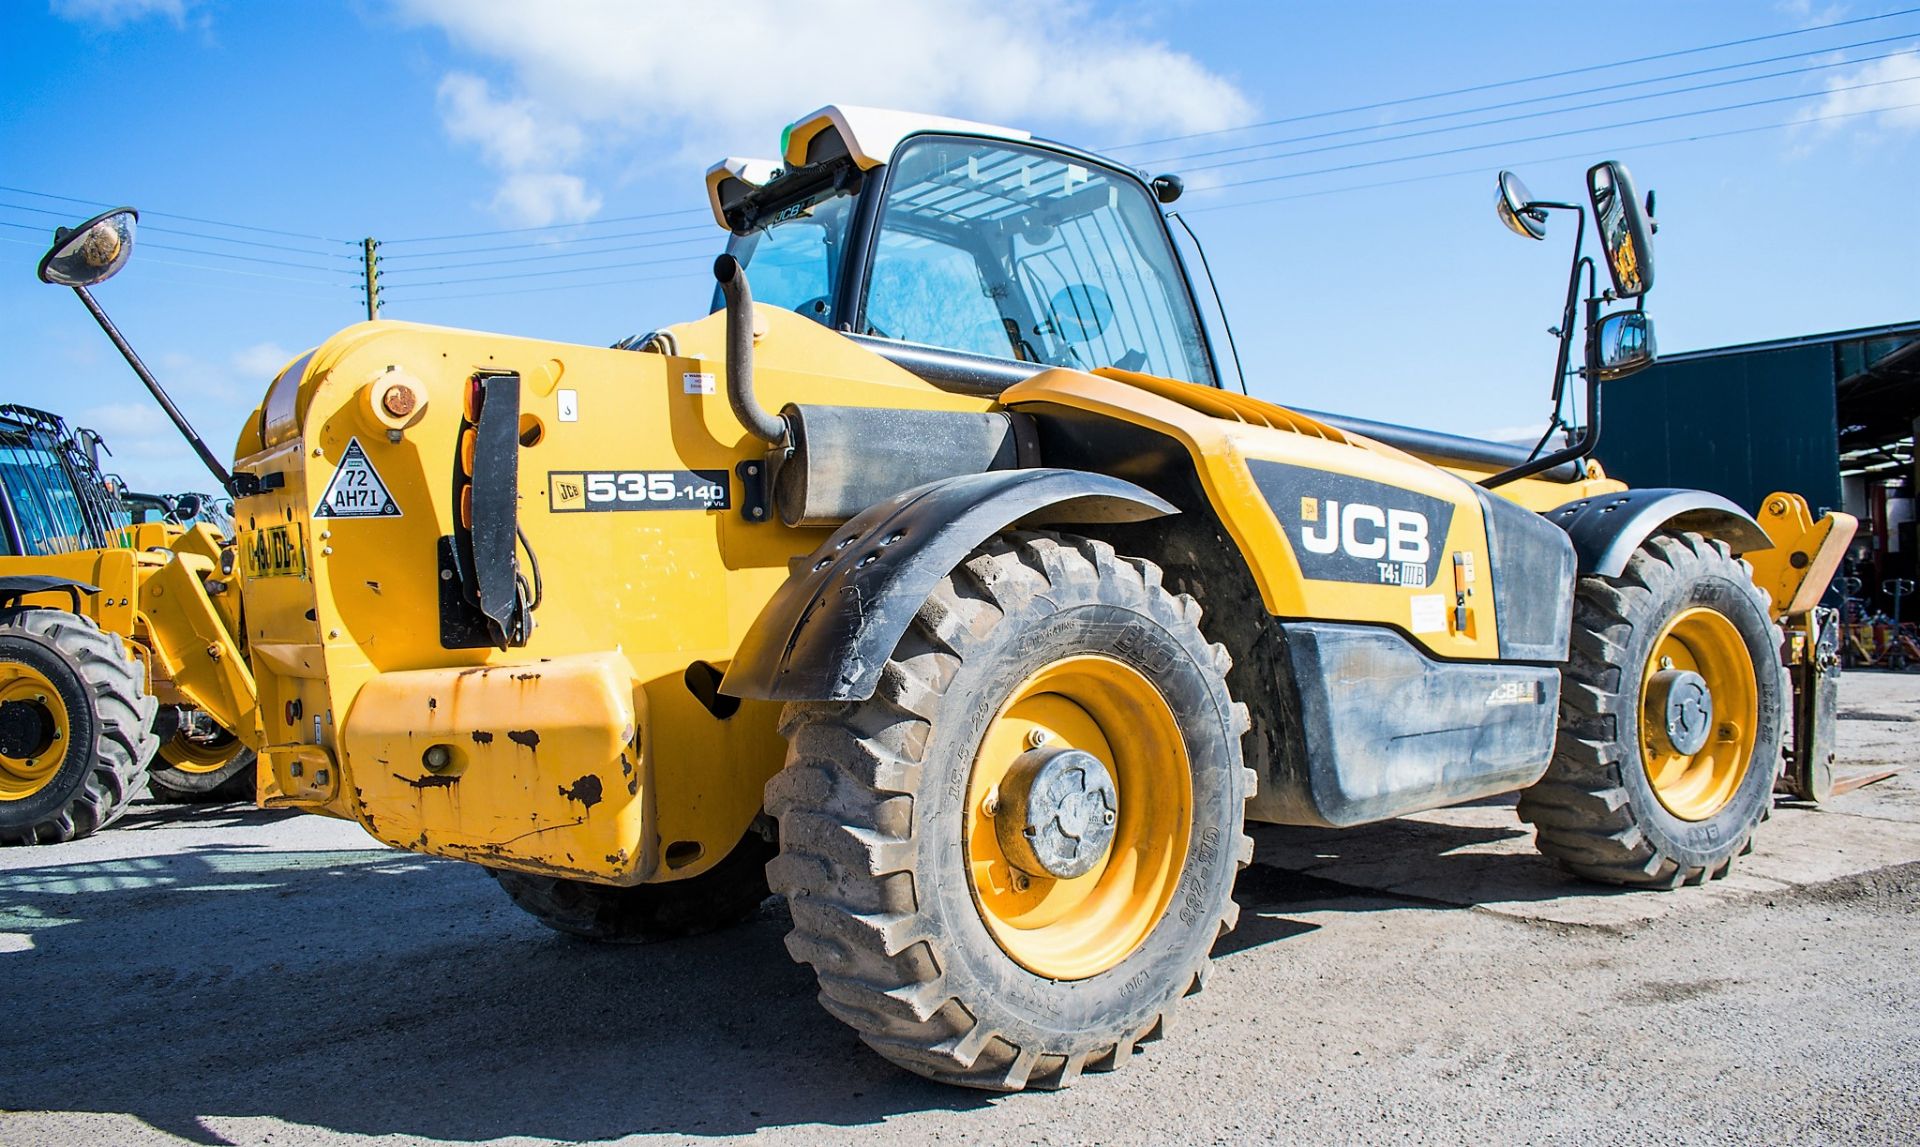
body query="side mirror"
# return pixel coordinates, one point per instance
(92, 252)
(1515, 207)
(1623, 344)
(1622, 224)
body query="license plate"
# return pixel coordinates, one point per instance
(276, 551)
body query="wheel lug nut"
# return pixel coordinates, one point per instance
(1020, 881)
(992, 804)
(1038, 738)
(1109, 817)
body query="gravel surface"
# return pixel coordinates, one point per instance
(231, 975)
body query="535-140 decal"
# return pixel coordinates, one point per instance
(571, 490)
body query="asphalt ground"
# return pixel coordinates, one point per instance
(231, 975)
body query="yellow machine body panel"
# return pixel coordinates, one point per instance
(1421, 566)
(117, 572)
(338, 603)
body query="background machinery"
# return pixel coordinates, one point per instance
(114, 656)
(948, 576)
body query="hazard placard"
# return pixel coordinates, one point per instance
(356, 490)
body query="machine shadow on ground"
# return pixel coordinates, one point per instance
(377, 992)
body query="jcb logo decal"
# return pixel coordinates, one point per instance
(1353, 529)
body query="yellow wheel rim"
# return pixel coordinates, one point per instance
(1695, 785)
(44, 731)
(1073, 928)
(200, 756)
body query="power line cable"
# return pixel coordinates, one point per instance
(564, 271)
(705, 239)
(548, 227)
(246, 258)
(183, 218)
(1498, 120)
(1583, 154)
(155, 227)
(1555, 134)
(560, 287)
(1566, 95)
(706, 229)
(1588, 69)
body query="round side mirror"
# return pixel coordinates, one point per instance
(92, 252)
(1515, 207)
(1080, 312)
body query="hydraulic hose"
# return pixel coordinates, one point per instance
(732, 277)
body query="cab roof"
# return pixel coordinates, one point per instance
(868, 136)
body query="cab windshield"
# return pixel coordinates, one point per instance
(997, 249)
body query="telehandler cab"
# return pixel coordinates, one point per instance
(946, 588)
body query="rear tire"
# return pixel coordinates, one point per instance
(75, 678)
(190, 772)
(927, 940)
(1618, 805)
(720, 897)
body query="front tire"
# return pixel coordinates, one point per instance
(1672, 713)
(720, 897)
(75, 727)
(930, 931)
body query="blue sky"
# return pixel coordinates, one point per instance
(1365, 272)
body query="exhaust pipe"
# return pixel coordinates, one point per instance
(732, 277)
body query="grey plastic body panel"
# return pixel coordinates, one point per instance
(1533, 576)
(1382, 730)
(828, 631)
(1607, 528)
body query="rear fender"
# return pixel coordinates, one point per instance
(1607, 528)
(827, 632)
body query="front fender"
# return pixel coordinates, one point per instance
(827, 633)
(1607, 528)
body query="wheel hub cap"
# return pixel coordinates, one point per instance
(26, 730)
(1680, 705)
(1058, 811)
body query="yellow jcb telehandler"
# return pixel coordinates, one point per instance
(119, 671)
(941, 568)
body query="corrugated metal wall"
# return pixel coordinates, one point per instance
(1741, 425)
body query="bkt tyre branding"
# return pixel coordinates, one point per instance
(1355, 530)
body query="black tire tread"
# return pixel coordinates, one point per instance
(234, 781)
(1580, 809)
(720, 897)
(123, 712)
(844, 803)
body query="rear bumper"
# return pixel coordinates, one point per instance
(539, 767)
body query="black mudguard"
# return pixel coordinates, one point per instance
(1606, 529)
(827, 633)
(14, 588)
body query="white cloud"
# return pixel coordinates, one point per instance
(1896, 81)
(511, 133)
(526, 144)
(699, 85)
(257, 364)
(538, 198)
(114, 13)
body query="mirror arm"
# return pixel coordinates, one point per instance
(153, 386)
(1590, 435)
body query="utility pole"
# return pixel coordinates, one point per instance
(370, 264)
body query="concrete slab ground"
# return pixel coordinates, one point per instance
(235, 976)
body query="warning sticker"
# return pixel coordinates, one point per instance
(1429, 612)
(356, 490)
